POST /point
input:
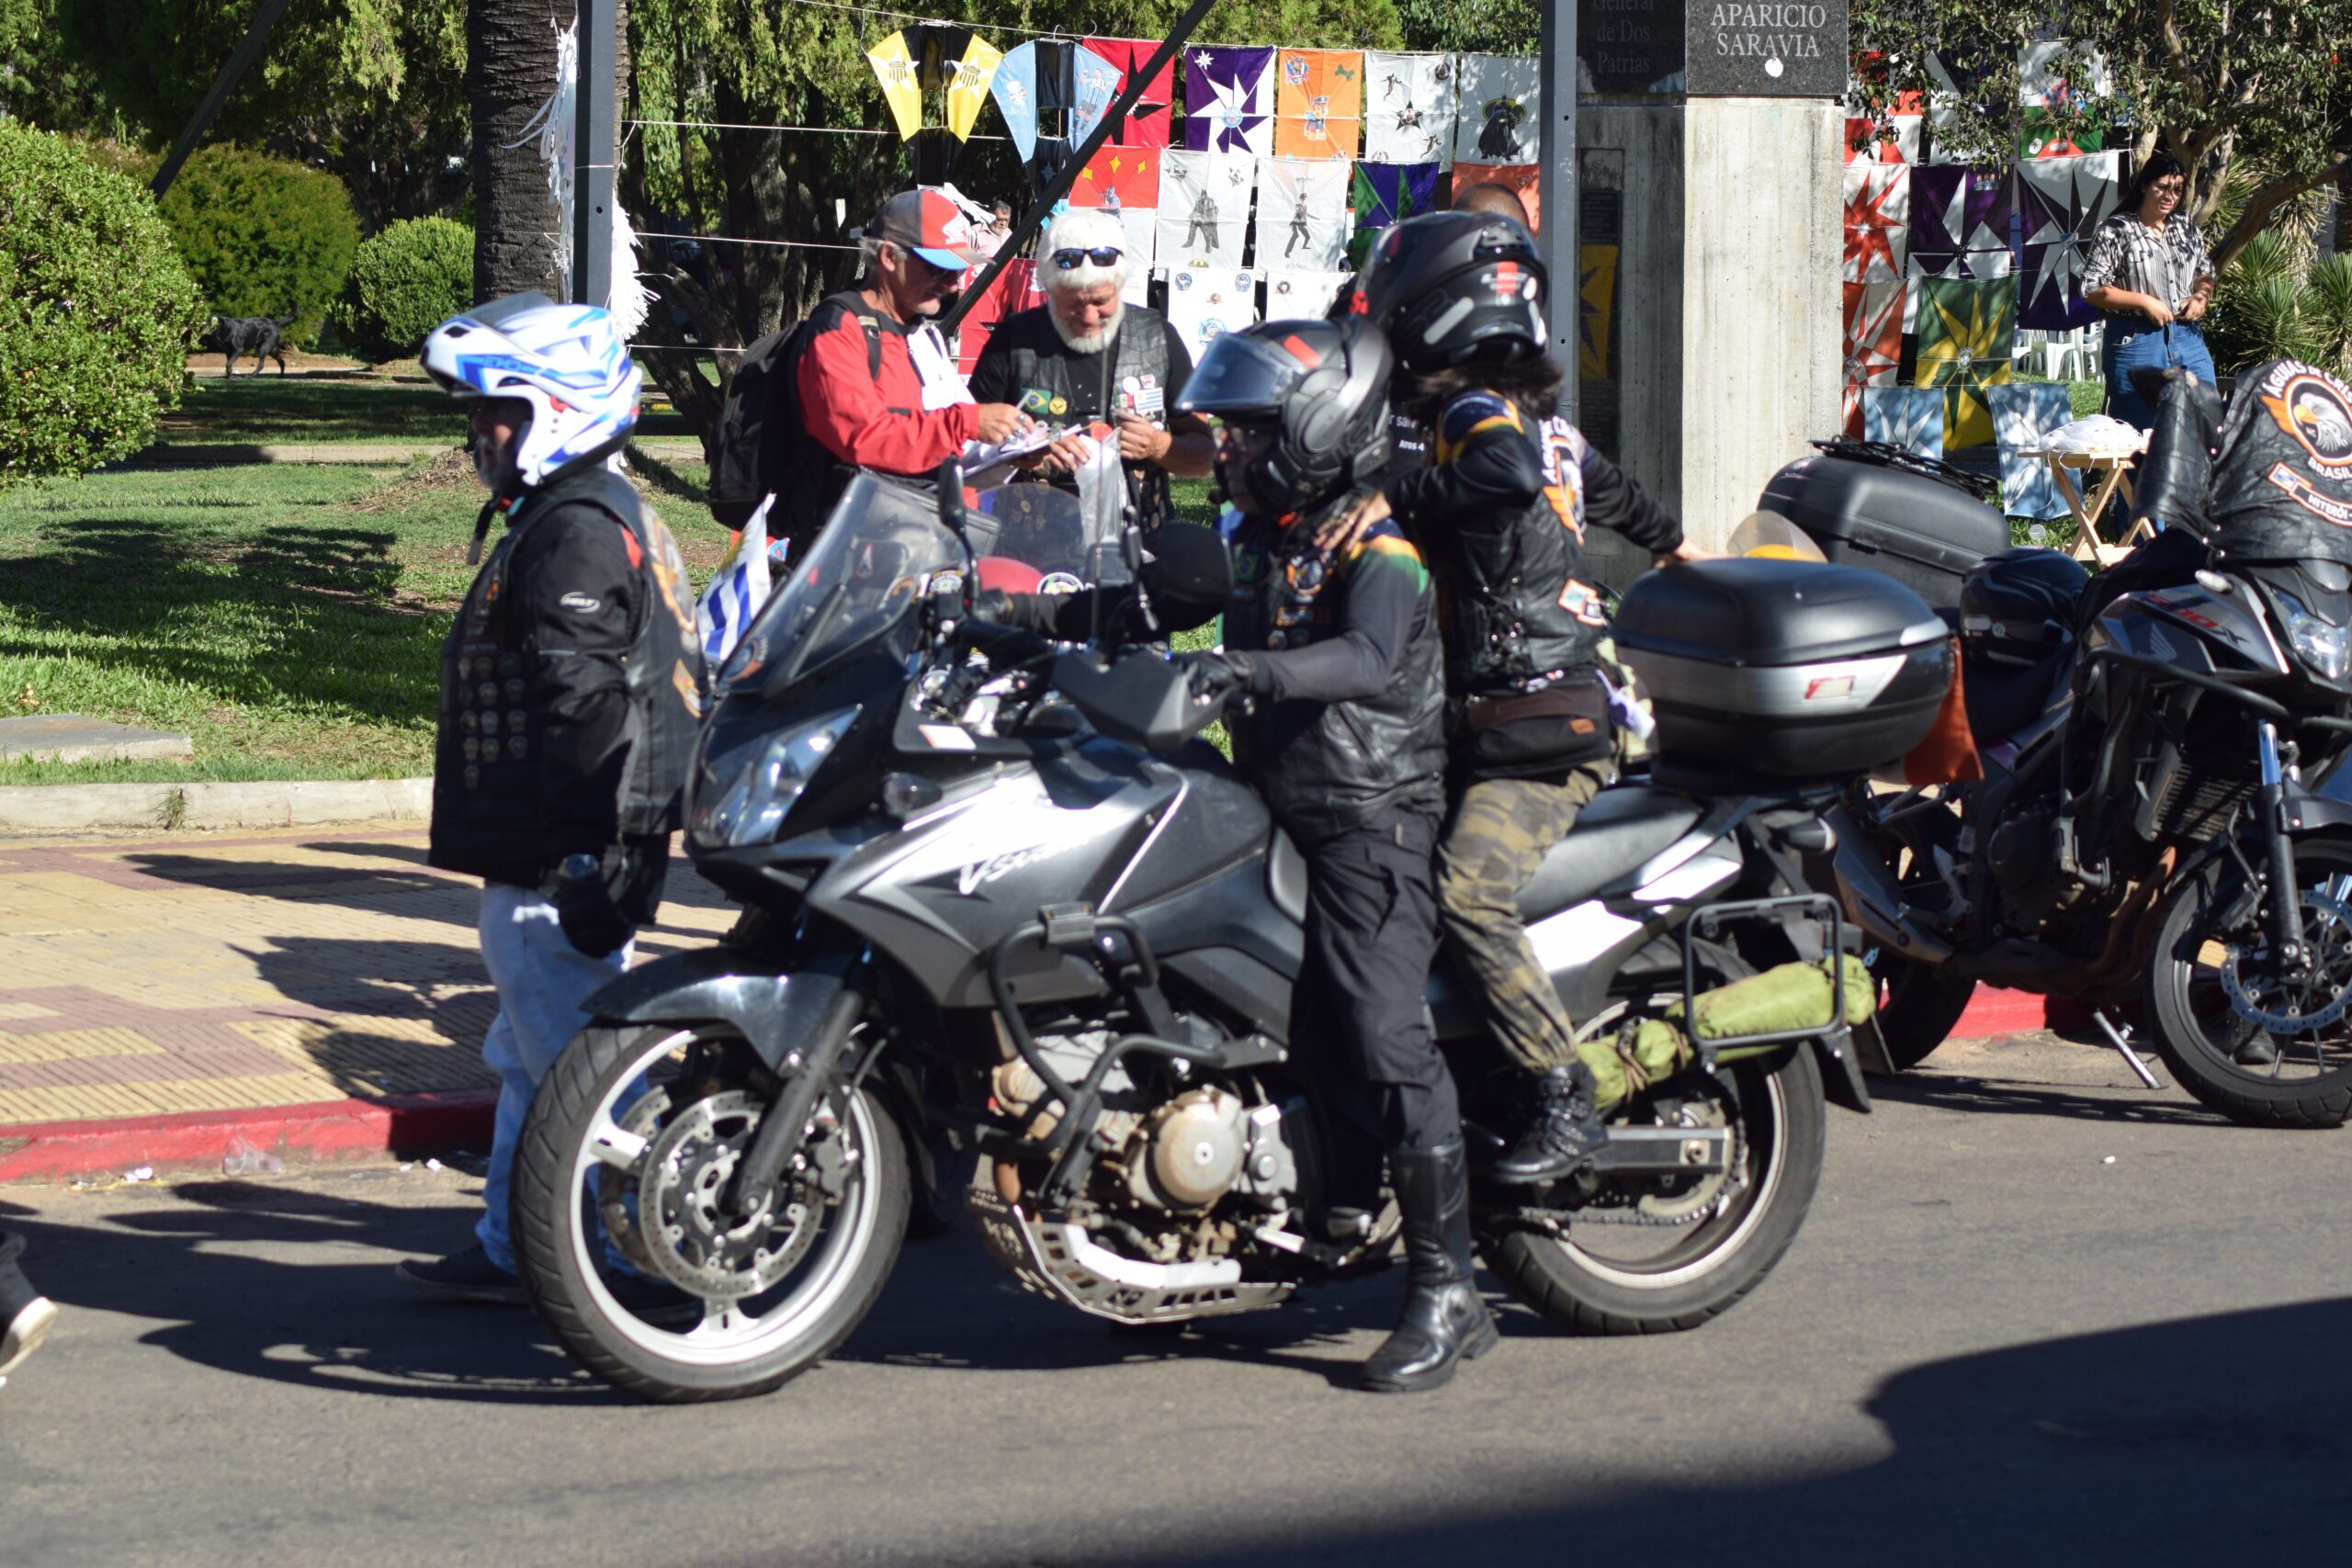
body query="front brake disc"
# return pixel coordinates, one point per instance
(2252, 995)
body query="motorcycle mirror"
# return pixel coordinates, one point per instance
(1771, 537)
(952, 515)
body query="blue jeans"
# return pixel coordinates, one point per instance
(542, 980)
(2136, 343)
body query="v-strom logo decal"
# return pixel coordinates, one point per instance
(1084, 828)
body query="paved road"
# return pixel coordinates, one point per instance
(1988, 1343)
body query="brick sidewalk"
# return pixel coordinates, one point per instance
(174, 973)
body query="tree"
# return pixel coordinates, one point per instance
(2220, 84)
(368, 89)
(761, 64)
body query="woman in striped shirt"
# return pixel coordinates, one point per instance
(2150, 274)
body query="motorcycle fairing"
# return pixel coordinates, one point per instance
(2140, 625)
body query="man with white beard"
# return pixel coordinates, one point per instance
(1086, 355)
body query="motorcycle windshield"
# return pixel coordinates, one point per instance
(1030, 537)
(860, 582)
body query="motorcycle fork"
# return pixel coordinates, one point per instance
(786, 1122)
(2270, 805)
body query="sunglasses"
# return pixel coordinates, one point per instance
(1101, 255)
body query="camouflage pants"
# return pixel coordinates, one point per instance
(1500, 833)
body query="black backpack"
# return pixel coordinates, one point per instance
(762, 447)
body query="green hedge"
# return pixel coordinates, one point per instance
(95, 311)
(263, 236)
(406, 281)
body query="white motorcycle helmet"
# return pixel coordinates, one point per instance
(566, 361)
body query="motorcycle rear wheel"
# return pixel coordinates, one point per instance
(1783, 1128)
(2199, 1034)
(738, 1347)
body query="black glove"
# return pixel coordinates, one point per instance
(1252, 673)
(991, 604)
(1213, 677)
(584, 904)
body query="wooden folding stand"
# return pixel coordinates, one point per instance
(2112, 474)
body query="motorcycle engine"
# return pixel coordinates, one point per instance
(2020, 855)
(1165, 1154)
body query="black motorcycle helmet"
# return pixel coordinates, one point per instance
(1449, 288)
(2020, 605)
(1321, 389)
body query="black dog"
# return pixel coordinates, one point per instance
(237, 336)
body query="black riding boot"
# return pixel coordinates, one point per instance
(1444, 1321)
(1566, 1132)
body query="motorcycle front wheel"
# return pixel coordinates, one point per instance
(2263, 1049)
(621, 1188)
(1673, 1261)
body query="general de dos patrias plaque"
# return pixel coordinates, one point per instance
(1732, 49)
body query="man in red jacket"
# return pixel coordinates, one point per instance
(876, 387)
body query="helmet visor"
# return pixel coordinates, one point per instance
(1240, 377)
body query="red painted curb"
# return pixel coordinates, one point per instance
(336, 1129)
(1993, 1010)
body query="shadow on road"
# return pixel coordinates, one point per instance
(2210, 1439)
(322, 1311)
(2022, 1097)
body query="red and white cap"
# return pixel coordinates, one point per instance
(928, 224)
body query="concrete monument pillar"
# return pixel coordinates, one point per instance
(1709, 195)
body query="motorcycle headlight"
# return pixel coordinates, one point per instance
(2326, 648)
(744, 791)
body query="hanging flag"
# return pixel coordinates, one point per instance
(1525, 179)
(1146, 125)
(1408, 107)
(1205, 208)
(1959, 224)
(1306, 296)
(1384, 193)
(1014, 87)
(1094, 86)
(969, 88)
(1228, 100)
(1318, 102)
(895, 69)
(1863, 146)
(1501, 113)
(1204, 306)
(737, 589)
(1302, 214)
(1118, 179)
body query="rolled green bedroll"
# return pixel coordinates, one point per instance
(1789, 997)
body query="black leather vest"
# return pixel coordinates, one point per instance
(1326, 767)
(1097, 385)
(490, 763)
(2281, 481)
(1517, 609)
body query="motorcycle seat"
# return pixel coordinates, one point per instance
(2003, 699)
(1621, 829)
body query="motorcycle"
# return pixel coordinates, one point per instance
(1010, 927)
(2143, 830)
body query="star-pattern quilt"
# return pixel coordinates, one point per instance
(1119, 178)
(1863, 146)
(1318, 102)
(1407, 108)
(1203, 305)
(1229, 99)
(1878, 221)
(1960, 222)
(1501, 112)
(1302, 214)
(2063, 201)
(1874, 344)
(1909, 417)
(1967, 333)
(2023, 415)
(1205, 199)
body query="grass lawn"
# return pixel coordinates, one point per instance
(286, 618)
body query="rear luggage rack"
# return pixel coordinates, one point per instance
(1887, 454)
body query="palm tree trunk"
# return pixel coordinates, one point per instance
(510, 71)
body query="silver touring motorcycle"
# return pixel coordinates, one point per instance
(1013, 933)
